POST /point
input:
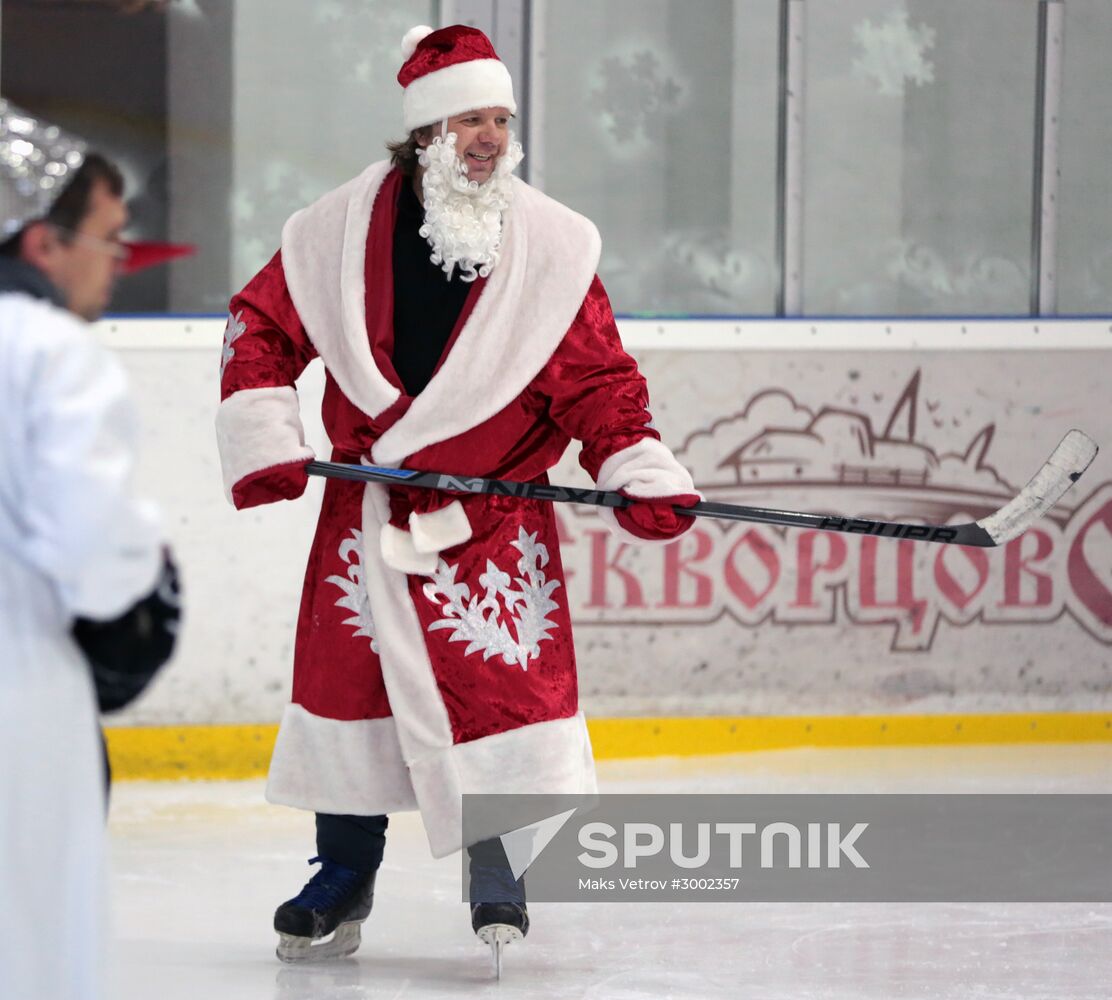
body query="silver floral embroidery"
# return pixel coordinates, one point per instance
(354, 587)
(479, 622)
(234, 329)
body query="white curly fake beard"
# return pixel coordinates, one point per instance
(463, 219)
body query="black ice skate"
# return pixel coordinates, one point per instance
(498, 913)
(334, 902)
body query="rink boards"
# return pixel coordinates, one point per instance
(740, 636)
(207, 752)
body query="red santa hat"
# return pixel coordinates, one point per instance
(448, 72)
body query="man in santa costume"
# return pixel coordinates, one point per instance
(463, 329)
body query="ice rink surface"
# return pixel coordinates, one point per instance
(198, 869)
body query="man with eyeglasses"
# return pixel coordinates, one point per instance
(75, 249)
(88, 592)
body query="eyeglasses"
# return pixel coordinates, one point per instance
(116, 249)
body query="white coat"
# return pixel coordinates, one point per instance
(73, 541)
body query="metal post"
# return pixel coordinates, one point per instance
(532, 98)
(1044, 215)
(789, 161)
(507, 24)
(536, 14)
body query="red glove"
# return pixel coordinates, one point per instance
(653, 519)
(279, 482)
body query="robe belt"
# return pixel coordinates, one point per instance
(412, 539)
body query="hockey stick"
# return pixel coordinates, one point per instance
(1064, 467)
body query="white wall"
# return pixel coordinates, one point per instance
(739, 619)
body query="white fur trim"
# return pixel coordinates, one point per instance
(413, 38)
(549, 257)
(324, 249)
(415, 700)
(544, 757)
(376, 502)
(333, 766)
(466, 86)
(401, 554)
(553, 758)
(646, 469)
(440, 529)
(258, 429)
(395, 545)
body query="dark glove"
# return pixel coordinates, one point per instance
(653, 519)
(125, 653)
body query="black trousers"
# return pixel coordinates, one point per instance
(357, 842)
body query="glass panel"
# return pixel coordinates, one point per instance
(919, 136)
(226, 117)
(659, 124)
(1085, 186)
(303, 125)
(101, 74)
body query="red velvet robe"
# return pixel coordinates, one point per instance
(434, 650)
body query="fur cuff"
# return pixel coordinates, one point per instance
(647, 469)
(399, 552)
(440, 529)
(259, 429)
(554, 756)
(320, 764)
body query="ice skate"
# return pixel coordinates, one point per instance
(322, 922)
(498, 913)
(497, 924)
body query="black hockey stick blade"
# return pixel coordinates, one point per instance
(1064, 467)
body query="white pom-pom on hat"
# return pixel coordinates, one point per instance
(413, 38)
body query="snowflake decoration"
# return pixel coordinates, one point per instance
(361, 37)
(329, 11)
(1096, 277)
(708, 260)
(275, 190)
(973, 279)
(630, 90)
(479, 622)
(355, 590)
(893, 53)
(233, 330)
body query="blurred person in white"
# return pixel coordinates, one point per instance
(88, 592)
